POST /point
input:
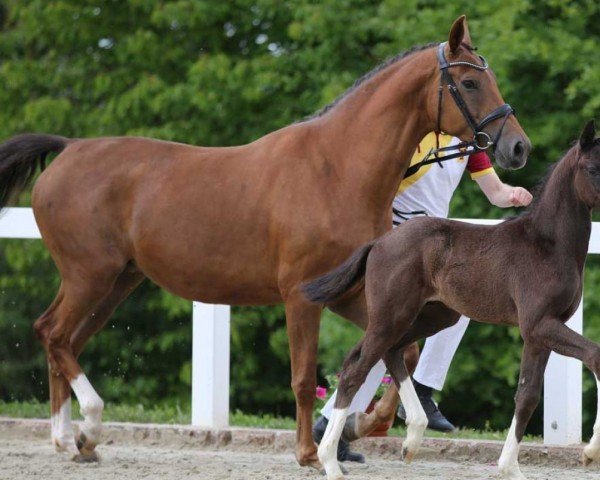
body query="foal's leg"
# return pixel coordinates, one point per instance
(385, 409)
(533, 364)
(356, 367)
(592, 451)
(433, 317)
(561, 339)
(303, 319)
(416, 419)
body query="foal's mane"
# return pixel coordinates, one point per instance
(367, 76)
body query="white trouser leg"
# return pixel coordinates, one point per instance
(91, 406)
(363, 396)
(437, 355)
(509, 459)
(592, 451)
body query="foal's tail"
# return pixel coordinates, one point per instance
(19, 158)
(333, 284)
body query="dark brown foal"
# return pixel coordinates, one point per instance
(526, 271)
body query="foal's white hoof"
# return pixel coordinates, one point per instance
(591, 453)
(511, 473)
(330, 464)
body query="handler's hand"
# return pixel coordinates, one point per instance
(519, 197)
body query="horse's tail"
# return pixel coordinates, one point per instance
(333, 284)
(19, 158)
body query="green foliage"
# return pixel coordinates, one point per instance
(225, 73)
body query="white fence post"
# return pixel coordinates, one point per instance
(210, 365)
(563, 394)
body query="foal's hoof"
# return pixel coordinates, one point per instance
(342, 468)
(590, 454)
(407, 455)
(585, 459)
(86, 458)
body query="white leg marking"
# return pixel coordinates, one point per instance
(91, 407)
(62, 429)
(329, 444)
(416, 420)
(592, 451)
(509, 459)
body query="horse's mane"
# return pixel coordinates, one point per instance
(382, 66)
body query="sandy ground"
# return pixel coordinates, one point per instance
(36, 459)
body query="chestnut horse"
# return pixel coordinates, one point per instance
(241, 225)
(526, 272)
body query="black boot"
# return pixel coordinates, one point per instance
(344, 454)
(435, 418)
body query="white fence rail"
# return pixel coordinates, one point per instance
(210, 354)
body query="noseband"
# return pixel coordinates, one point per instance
(481, 140)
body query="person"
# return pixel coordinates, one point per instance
(428, 191)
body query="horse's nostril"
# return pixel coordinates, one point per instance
(518, 150)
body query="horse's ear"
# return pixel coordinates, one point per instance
(459, 33)
(586, 140)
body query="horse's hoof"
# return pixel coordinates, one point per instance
(86, 458)
(585, 459)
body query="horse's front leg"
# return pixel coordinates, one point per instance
(533, 364)
(592, 451)
(303, 319)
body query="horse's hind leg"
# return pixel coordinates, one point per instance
(60, 390)
(124, 285)
(76, 301)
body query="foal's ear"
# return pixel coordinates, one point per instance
(459, 33)
(586, 140)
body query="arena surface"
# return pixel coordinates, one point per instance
(134, 452)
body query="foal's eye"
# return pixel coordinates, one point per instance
(469, 84)
(594, 170)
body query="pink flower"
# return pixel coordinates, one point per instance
(321, 393)
(386, 380)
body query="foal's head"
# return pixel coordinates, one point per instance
(587, 176)
(475, 85)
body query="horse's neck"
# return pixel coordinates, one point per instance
(373, 133)
(561, 215)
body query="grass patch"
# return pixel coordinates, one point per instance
(174, 413)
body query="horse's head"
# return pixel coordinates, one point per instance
(469, 105)
(587, 176)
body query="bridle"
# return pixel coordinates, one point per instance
(481, 140)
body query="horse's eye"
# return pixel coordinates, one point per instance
(469, 84)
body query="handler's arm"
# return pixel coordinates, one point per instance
(501, 194)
